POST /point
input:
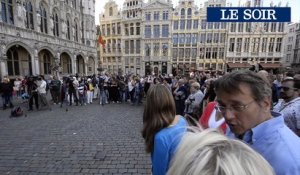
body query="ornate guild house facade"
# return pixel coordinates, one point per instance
(157, 38)
(47, 37)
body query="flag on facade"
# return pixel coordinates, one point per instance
(101, 40)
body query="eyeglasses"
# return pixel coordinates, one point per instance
(237, 108)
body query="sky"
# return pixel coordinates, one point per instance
(292, 3)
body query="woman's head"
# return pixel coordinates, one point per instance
(159, 112)
(209, 152)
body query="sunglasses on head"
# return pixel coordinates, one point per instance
(285, 88)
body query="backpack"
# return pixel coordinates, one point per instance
(16, 112)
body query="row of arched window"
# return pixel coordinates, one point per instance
(42, 19)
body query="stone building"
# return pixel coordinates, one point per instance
(111, 32)
(156, 37)
(47, 37)
(255, 45)
(296, 56)
(289, 44)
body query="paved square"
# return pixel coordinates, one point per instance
(81, 140)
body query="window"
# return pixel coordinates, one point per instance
(222, 38)
(288, 57)
(264, 44)
(131, 46)
(189, 13)
(181, 53)
(131, 29)
(216, 37)
(13, 62)
(289, 48)
(76, 31)
(74, 4)
(221, 53)
(7, 11)
(156, 49)
(214, 52)
(255, 47)
(187, 53)
(248, 27)
(208, 53)
(202, 38)
(181, 38)
(108, 29)
(189, 24)
(165, 15)
(126, 29)
(113, 29)
(281, 27)
(147, 49)
(203, 24)
(156, 31)
(138, 29)
(118, 28)
(278, 45)
(182, 13)
(195, 24)
(175, 39)
(43, 20)
(246, 44)
(68, 30)
(188, 38)
(182, 24)
(271, 45)
(175, 25)
(165, 30)
(138, 46)
(231, 44)
(241, 27)
(273, 27)
(233, 27)
(223, 25)
(147, 31)
(194, 38)
(210, 25)
(165, 49)
(175, 53)
(148, 16)
(103, 30)
(266, 26)
(55, 26)
(29, 16)
(126, 47)
(194, 53)
(216, 25)
(47, 63)
(239, 45)
(156, 16)
(209, 38)
(110, 11)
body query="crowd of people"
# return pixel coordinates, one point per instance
(252, 123)
(252, 119)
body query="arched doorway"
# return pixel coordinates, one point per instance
(18, 61)
(65, 63)
(80, 65)
(91, 66)
(46, 61)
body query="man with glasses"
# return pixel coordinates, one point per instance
(289, 104)
(244, 100)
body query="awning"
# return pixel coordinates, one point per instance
(239, 65)
(270, 65)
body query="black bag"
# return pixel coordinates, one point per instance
(16, 112)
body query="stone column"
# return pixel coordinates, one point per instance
(3, 65)
(74, 65)
(86, 61)
(35, 63)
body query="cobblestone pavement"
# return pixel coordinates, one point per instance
(81, 140)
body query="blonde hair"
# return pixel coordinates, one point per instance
(211, 153)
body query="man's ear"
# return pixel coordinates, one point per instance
(266, 103)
